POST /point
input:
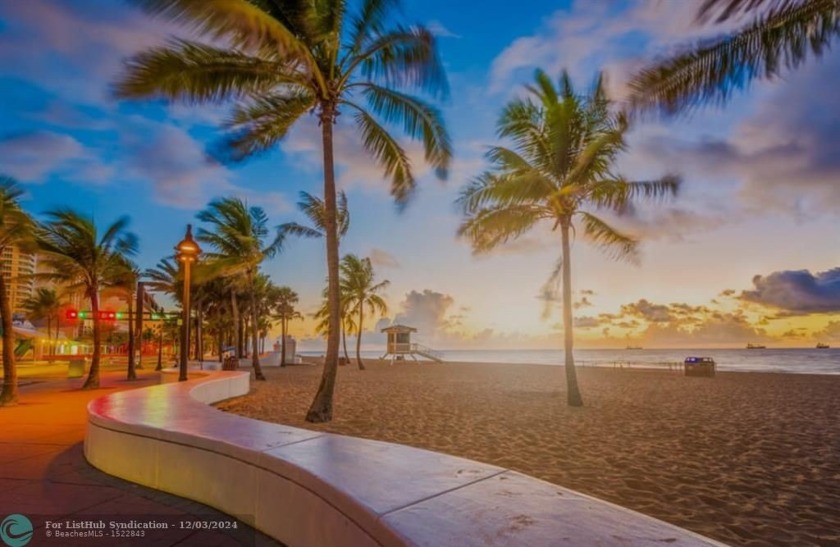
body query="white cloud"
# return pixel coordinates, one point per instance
(437, 28)
(32, 157)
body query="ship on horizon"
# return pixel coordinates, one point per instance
(821, 345)
(756, 346)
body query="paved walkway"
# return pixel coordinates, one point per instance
(44, 475)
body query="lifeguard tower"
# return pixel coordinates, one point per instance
(400, 345)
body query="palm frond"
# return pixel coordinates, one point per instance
(613, 243)
(295, 229)
(388, 154)
(419, 120)
(262, 123)
(710, 71)
(493, 189)
(369, 22)
(403, 57)
(194, 72)
(488, 228)
(728, 9)
(551, 288)
(241, 23)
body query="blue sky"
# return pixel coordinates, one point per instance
(761, 189)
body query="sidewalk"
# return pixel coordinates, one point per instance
(44, 475)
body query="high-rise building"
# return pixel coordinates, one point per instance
(17, 268)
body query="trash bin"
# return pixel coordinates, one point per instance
(230, 363)
(700, 366)
(77, 367)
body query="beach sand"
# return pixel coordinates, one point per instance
(745, 458)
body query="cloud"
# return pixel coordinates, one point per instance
(585, 322)
(425, 311)
(783, 156)
(656, 313)
(92, 43)
(437, 28)
(719, 329)
(384, 259)
(181, 173)
(613, 34)
(797, 291)
(32, 157)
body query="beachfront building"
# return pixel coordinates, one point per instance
(400, 344)
(17, 267)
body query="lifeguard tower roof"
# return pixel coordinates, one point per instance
(399, 328)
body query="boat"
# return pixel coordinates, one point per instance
(756, 346)
(634, 347)
(820, 345)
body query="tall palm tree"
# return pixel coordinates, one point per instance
(359, 290)
(284, 311)
(45, 304)
(165, 277)
(559, 170)
(284, 59)
(78, 256)
(239, 236)
(782, 36)
(322, 316)
(16, 228)
(125, 278)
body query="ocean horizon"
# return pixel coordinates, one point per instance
(783, 360)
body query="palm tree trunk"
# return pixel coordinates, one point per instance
(132, 371)
(322, 405)
(92, 381)
(9, 395)
(572, 391)
(283, 325)
(199, 331)
(160, 350)
(57, 331)
(359, 338)
(49, 335)
(234, 311)
(344, 340)
(255, 332)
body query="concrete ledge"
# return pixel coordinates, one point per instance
(308, 488)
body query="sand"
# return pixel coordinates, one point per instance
(745, 458)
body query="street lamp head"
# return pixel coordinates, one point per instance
(187, 250)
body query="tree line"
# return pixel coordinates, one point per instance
(276, 61)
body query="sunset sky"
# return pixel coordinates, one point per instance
(748, 252)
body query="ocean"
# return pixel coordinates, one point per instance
(788, 360)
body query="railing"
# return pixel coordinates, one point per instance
(427, 352)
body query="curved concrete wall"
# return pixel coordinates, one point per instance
(306, 488)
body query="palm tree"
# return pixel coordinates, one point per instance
(559, 170)
(322, 315)
(284, 311)
(79, 257)
(239, 238)
(315, 209)
(16, 227)
(780, 38)
(359, 290)
(45, 304)
(125, 278)
(285, 59)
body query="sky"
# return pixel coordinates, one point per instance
(747, 252)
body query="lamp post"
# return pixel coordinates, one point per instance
(186, 252)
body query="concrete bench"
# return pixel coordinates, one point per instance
(306, 488)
